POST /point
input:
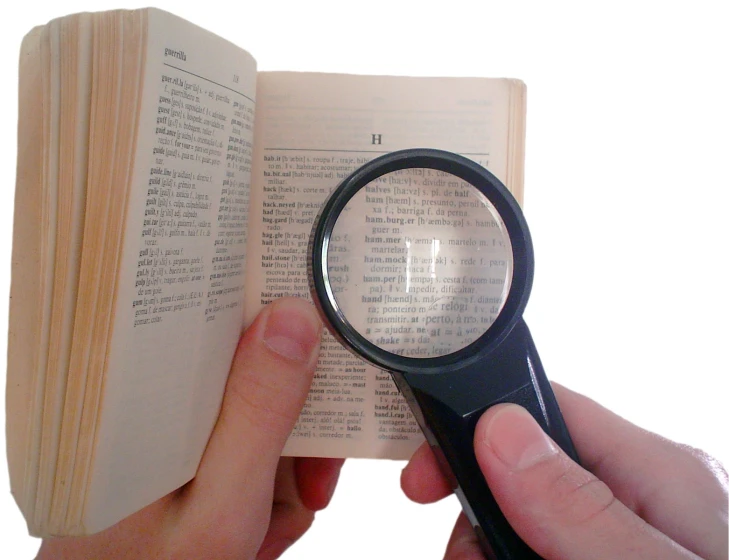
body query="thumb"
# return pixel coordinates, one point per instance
(559, 509)
(267, 386)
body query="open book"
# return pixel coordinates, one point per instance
(165, 193)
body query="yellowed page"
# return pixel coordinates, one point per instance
(178, 310)
(312, 131)
(112, 124)
(24, 391)
(69, 42)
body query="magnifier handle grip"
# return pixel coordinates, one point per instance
(513, 374)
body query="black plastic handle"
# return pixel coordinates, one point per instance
(448, 407)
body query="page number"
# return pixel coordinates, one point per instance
(236, 78)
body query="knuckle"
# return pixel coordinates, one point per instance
(578, 498)
(708, 472)
(258, 402)
(588, 503)
(305, 520)
(296, 519)
(711, 466)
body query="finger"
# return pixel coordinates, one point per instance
(268, 382)
(654, 477)
(422, 480)
(290, 517)
(316, 479)
(303, 485)
(463, 544)
(558, 508)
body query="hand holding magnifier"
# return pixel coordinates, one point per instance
(421, 263)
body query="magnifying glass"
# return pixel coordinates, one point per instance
(421, 263)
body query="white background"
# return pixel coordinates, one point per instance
(626, 196)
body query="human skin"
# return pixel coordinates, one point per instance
(246, 500)
(640, 496)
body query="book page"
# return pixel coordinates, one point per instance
(178, 308)
(312, 131)
(427, 276)
(31, 276)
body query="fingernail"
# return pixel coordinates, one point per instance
(292, 329)
(517, 439)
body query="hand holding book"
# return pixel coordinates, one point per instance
(165, 192)
(224, 512)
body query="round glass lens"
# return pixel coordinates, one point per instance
(419, 263)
